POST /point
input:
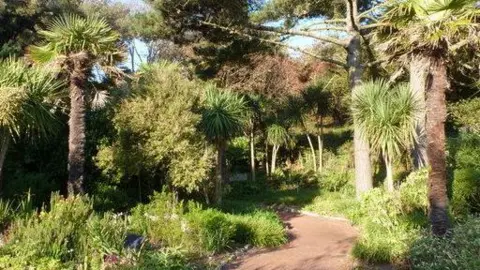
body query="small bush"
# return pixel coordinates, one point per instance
(413, 192)
(165, 259)
(332, 180)
(460, 251)
(161, 221)
(260, 229)
(210, 228)
(466, 191)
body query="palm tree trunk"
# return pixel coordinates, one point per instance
(320, 146)
(389, 179)
(312, 148)
(363, 168)
(419, 70)
(274, 157)
(252, 155)
(5, 142)
(435, 128)
(267, 168)
(76, 136)
(219, 173)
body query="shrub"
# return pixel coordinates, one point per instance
(333, 180)
(165, 259)
(161, 221)
(388, 226)
(63, 236)
(460, 251)
(466, 191)
(210, 228)
(260, 229)
(413, 192)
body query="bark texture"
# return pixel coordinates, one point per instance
(220, 171)
(419, 70)
(436, 114)
(363, 169)
(76, 137)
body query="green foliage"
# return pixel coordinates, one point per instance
(223, 114)
(166, 258)
(167, 142)
(385, 117)
(466, 191)
(458, 251)
(260, 229)
(64, 235)
(72, 34)
(200, 231)
(464, 114)
(212, 228)
(464, 152)
(27, 97)
(413, 192)
(277, 135)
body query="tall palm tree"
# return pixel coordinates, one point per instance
(386, 118)
(77, 45)
(318, 102)
(27, 97)
(223, 117)
(276, 136)
(432, 30)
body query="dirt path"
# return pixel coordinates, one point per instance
(316, 243)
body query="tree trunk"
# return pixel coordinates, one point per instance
(389, 179)
(252, 155)
(219, 173)
(5, 142)
(312, 148)
(320, 146)
(267, 169)
(419, 70)
(436, 108)
(274, 157)
(76, 136)
(363, 169)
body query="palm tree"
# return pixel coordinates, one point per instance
(386, 118)
(276, 136)
(318, 102)
(223, 117)
(432, 31)
(77, 45)
(27, 95)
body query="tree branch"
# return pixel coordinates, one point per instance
(281, 44)
(276, 30)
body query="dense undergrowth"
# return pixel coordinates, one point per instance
(69, 234)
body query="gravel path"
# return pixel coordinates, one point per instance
(316, 243)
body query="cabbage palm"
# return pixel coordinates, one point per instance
(223, 117)
(318, 102)
(27, 95)
(76, 45)
(432, 31)
(386, 118)
(276, 136)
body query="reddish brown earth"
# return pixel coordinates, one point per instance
(316, 243)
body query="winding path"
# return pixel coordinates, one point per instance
(316, 243)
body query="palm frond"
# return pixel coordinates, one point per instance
(223, 115)
(385, 117)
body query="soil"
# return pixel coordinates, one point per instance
(316, 243)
